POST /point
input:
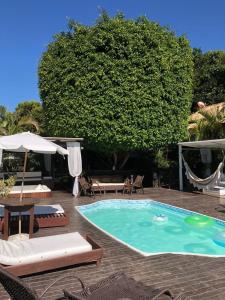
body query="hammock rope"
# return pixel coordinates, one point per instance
(205, 183)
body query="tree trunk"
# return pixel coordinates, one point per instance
(115, 158)
(115, 161)
(124, 160)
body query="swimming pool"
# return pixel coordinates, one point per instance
(150, 227)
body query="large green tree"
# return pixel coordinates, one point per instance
(209, 76)
(121, 84)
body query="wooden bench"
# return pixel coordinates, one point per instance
(29, 176)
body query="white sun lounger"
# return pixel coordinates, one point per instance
(31, 191)
(38, 210)
(45, 216)
(22, 257)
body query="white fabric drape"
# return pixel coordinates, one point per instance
(74, 163)
(206, 183)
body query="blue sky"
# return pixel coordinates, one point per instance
(27, 26)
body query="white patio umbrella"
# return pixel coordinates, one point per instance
(26, 142)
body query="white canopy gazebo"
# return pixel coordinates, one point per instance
(207, 145)
(27, 141)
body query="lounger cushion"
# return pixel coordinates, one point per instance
(42, 248)
(101, 184)
(30, 189)
(39, 210)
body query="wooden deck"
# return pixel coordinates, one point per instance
(199, 277)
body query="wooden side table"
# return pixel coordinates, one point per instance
(15, 205)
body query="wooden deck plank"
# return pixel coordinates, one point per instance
(199, 277)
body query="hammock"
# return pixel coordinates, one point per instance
(206, 183)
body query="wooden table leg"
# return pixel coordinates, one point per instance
(6, 224)
(31, 222)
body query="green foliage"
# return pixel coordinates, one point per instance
(2, 112)
(209, 76)
(30, 109)
(23, 119)
(160, 159)
(121, 84)
(6, 186)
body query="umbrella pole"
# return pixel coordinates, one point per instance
(21, 192)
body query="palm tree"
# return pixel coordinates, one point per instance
(2, 119)
(11, 123)
(208, 123)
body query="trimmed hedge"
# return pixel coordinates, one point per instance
(121, 84)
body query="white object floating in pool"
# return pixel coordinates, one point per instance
(160, 218)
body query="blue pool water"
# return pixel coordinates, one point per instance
(151, 227)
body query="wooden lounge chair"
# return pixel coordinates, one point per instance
(138, 183)
(44, 216)
(93, 185)
(127, 186)
(85, 187)
(133, 187)
(19, 290)
(23, 257)
(107, 186)
(119, 286)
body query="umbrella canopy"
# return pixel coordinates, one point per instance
(27, 141)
